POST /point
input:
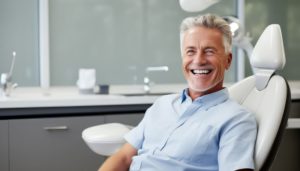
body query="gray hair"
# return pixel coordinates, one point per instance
(207, 21)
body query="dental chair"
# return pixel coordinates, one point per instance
(265, 94)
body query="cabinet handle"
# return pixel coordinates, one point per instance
(56, 128)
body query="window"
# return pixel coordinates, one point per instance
(19, 33)
(284, 13)
(119, 38)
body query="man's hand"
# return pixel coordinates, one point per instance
(121, 160)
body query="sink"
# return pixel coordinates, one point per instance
(147, 94)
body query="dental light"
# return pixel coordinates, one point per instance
(196, 5)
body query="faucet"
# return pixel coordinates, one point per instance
(6, 79)
(147, 82)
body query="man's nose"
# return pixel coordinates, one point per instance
(200, 59)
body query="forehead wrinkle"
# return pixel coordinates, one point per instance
(192, 39)
(200, 45)
(202, 40)
(190, 42)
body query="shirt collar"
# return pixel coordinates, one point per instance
(208, 100)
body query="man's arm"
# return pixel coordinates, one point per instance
(121, 160)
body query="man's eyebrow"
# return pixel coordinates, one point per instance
(190, 47)
(210, 47)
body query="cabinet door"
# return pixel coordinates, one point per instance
(128, 119)
(3, 145)
(52, 144)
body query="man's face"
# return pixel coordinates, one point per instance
(204, 60)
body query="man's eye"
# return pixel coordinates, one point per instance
(209, 52)
(190, 52)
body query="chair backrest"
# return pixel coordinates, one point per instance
(266, 94)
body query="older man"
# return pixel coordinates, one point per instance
(201, 129)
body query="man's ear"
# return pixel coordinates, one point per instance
(228, 61)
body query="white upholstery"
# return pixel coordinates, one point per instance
(268, 106)
(269, 51)
(268, 55)
(265, 94)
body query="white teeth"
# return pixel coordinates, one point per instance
(200, 71)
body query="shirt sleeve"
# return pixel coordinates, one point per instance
(136, 136)
(237, 143)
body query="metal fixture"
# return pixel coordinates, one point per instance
(6, 79)
(147, 83)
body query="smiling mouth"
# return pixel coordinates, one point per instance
(201, 71)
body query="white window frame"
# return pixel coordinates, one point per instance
(44, 52)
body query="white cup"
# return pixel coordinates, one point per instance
(86, 80)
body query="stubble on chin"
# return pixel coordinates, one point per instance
(202, 90)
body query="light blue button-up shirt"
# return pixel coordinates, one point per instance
(210, 133)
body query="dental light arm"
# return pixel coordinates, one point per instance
(239, 38)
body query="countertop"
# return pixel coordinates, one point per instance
(26, 102)
(28, 97)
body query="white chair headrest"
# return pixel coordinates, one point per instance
(268, 55)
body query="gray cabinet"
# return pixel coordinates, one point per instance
(52, 144)
(4, 145)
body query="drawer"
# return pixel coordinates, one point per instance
(52, 144)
